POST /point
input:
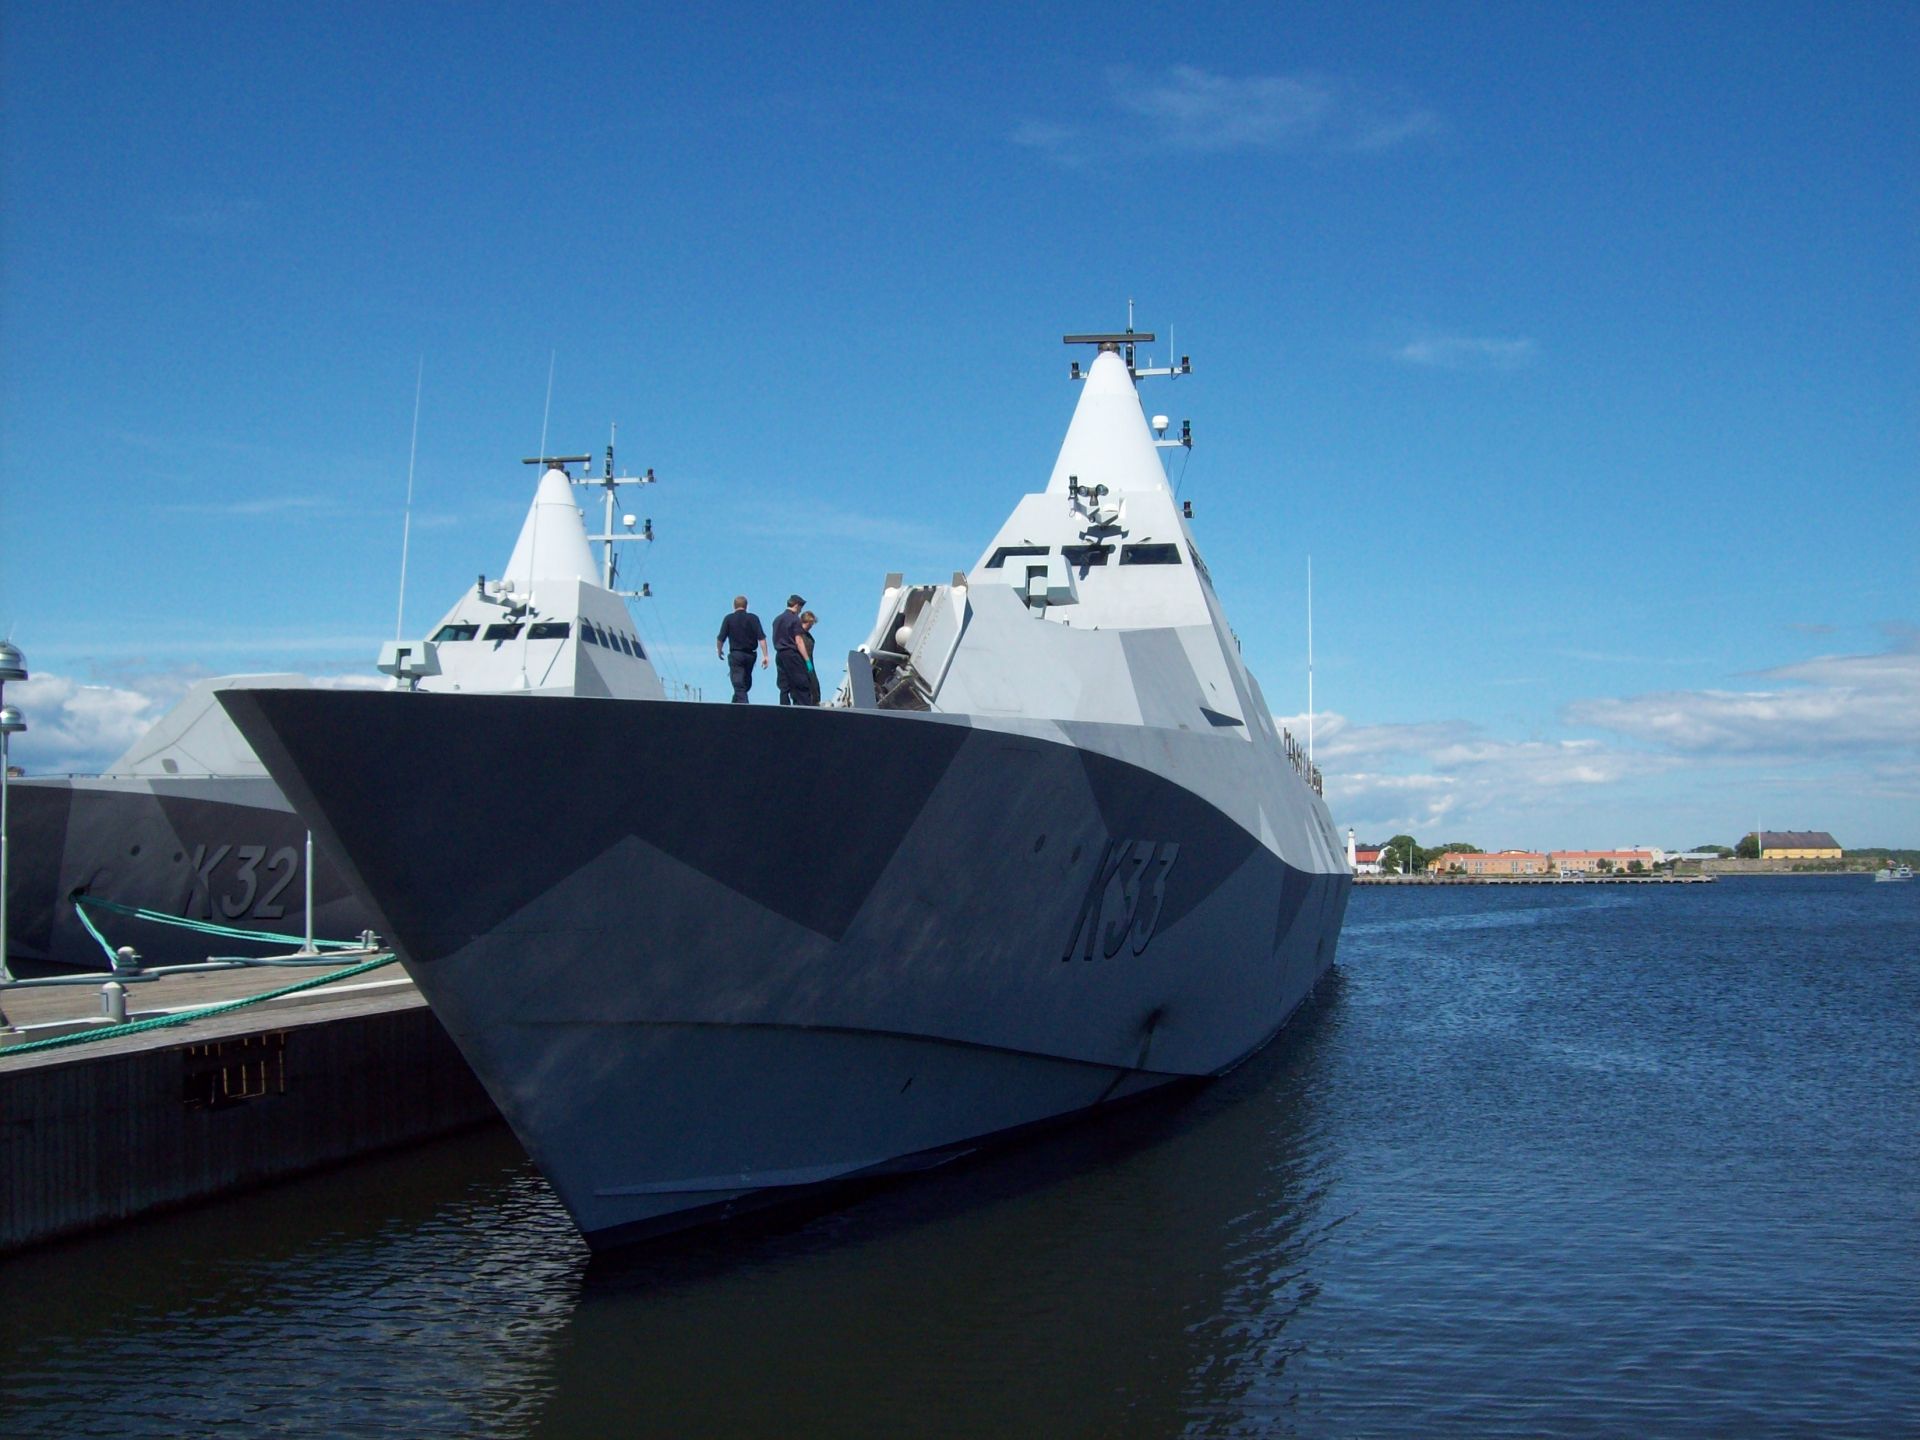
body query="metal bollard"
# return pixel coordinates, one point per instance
(113, 1002)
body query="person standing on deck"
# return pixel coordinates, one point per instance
(790, 665)
(739, 632)
(806, 644)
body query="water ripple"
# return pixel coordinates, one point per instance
(1535, 1163)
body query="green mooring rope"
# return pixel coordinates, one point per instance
(83, 902)
(135, 1027)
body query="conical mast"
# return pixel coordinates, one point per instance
(1108, 442)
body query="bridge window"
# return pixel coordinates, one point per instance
(503, 631)
(548, 630)
(455, 632)
(1080, 557)
(1013, 552)
(1149, 554)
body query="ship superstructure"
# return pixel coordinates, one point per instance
(188, 824)
(1048, 852)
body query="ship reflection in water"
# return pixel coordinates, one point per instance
(1531, 1163)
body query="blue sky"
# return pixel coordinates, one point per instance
(1580, 350)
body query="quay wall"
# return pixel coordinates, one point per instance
(1427, 879)
(164, 1119)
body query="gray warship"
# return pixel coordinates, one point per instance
(188, 824)
(1047, 852)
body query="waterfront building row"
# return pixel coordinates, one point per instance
(1533, 862)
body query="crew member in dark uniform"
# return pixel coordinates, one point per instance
(807, 646)
(739, 633)
(789, 662)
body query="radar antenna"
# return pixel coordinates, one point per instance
(610, 483)
(1122, 343)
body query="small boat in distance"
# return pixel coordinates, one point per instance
(188, 823)
(1049, 852)
(1894, 873)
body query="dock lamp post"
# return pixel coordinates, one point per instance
(13, 666)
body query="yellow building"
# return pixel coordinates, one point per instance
(1799, 845)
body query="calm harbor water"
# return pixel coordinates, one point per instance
(1592, 1160)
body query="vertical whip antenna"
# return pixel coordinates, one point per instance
(1309, 659)
(552, 357)
(546, 413)
(406, 524)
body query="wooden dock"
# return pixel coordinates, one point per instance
(118, 1126)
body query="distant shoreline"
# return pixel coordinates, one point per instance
(1749, 869)
(1535, 879)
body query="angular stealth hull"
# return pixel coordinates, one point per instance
(223, 849)
(706, 956)
(189, 825)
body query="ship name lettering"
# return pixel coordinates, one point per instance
(241, 896)
(1123, 904)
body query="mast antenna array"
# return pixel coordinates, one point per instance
(1121, 342)
(610, 482)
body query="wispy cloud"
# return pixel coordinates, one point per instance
(1337, 738)
(130, 654)
(1414, 777)
(211, 215)
(1189, 110)
(1468, 352)
(819, 523)
(1804, 734)
(1625, 657)
(1831, 704)
(258, 505)
(1417, 778)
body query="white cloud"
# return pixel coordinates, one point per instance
(1468, 352)
(1825, 707)
(1379, 804)
(1337, 739)
(1414, 778)
(73, 726)
(1809, 732)
(1538, 767)
(1193, 109)
(350, 682)
(1188, 110)
(77, 727)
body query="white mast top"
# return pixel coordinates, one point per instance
(553, 541)
(1108, 441)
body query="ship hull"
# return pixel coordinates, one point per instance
(705, 956)
(224, 850)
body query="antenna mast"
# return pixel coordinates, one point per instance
(608, 537)
(1309, 659)
(406, 525)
